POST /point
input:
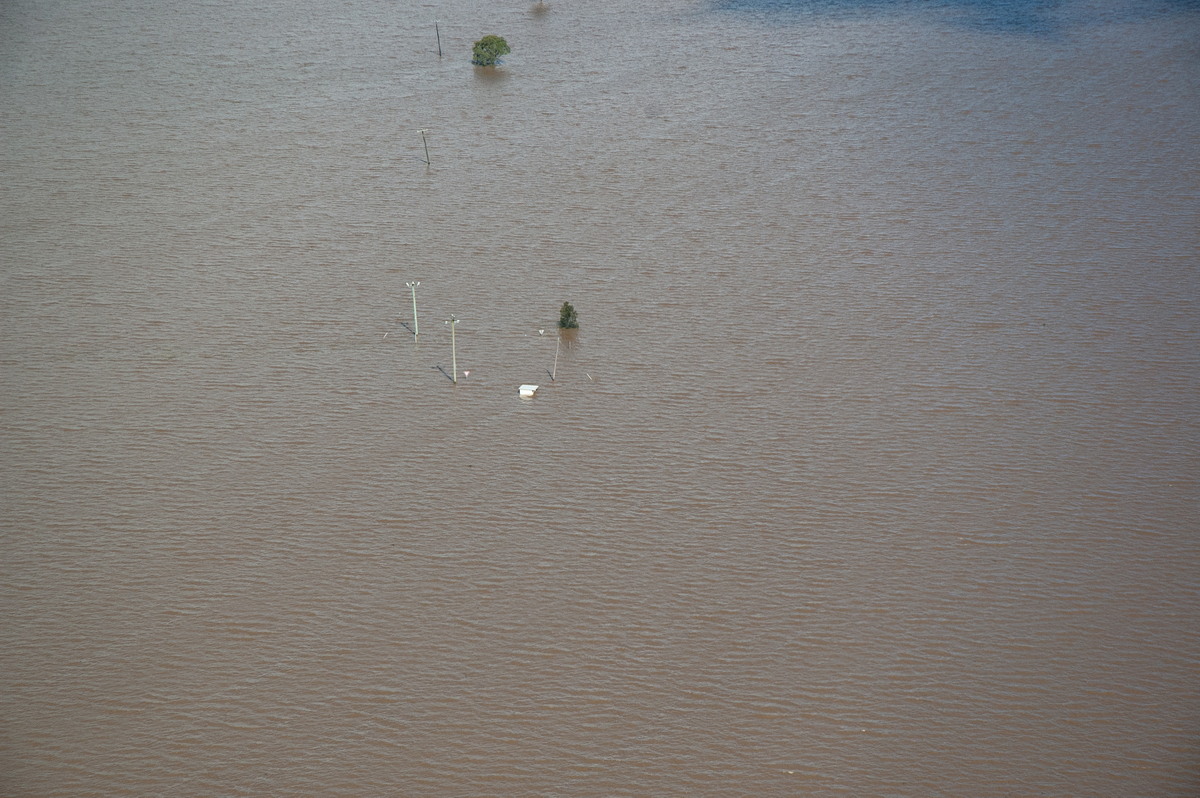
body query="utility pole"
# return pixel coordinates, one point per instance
(413, 285)
(426, 143)
(453, 322)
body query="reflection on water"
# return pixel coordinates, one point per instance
(870, 470)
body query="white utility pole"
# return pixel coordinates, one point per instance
(413, 285)
(453, 322)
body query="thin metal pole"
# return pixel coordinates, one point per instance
(426, 143)
(439, 37)
(453, 322)
(413, 285)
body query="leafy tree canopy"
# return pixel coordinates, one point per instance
(488, 50)
(567, 319)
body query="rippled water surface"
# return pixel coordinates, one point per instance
(871, 470)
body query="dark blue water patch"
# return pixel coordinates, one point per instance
(1037, 17)
(1025, 17)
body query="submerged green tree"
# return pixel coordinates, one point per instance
(567, 319)
(488, 50)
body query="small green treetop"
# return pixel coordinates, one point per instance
(567, 319)
(488, 50)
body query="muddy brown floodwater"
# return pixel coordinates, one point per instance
(871, 470)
